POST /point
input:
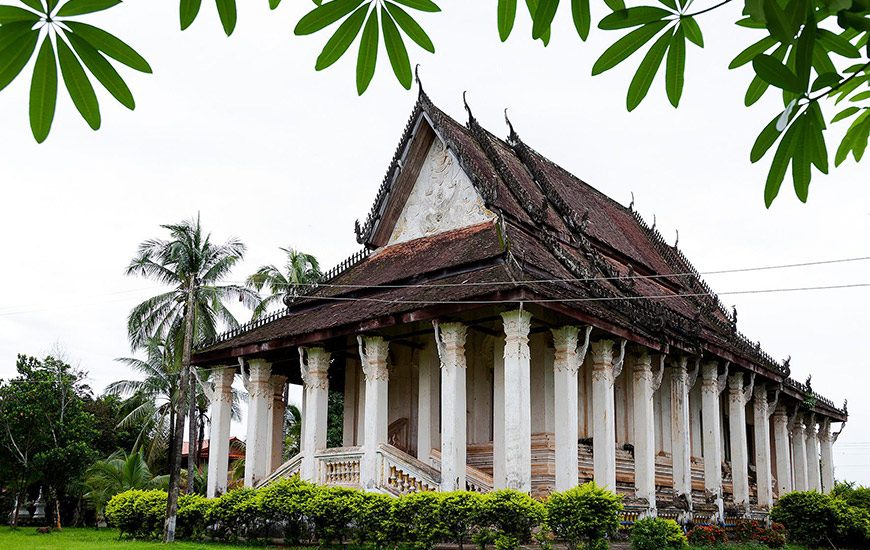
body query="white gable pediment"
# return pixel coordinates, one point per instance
(442, 199)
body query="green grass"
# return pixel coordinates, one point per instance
(26, 538)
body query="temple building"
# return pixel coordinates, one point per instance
(506, 325)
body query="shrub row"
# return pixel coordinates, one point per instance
(819, 520)
(298, 511)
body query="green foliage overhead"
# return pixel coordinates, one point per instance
(814, 52)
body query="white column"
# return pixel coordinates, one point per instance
(644, 430)
(374, 352)
(498, 471)
(799, 454)
(680, 434)
(566, 363)
(737, 424)
(219, 433)
(814, 478)
(259, 429)
(424, 405)
(517, 401)
(278, 407)
(603, 425)
(763, 473)
(314, 364)
(349, 423)
(711, 387)
(827, 441)
(783, 458)
(450, 339)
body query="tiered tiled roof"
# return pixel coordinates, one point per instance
(557, 240)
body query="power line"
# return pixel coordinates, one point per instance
(576, 300)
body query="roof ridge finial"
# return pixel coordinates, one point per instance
(417, 77)
(631, 205)
(467, 108)
(513, 137)
(677, 242)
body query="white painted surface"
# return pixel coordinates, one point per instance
(498, 410)
(259, 395)
(453, 406)
(737, 425)
(276, 446)
(603, 423)
(517, 401)
(799, 455)
(219, 433)
(763, 473)
(374, 360)
(314, 375)
(814, 477)
(712, 433)
(783, 453)
(644, 429)
(827, 442)
(680, 429)
(565, 367)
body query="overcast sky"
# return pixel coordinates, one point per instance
(245, 132)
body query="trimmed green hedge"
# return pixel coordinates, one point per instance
(298, 511)
(819, 520)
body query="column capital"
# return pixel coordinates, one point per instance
(680, 370)
(798, 426)
(517, 323)
(373, 352)
(259, 385)
(642, 367)
(223, 377)
(314, 365)
(278, 382)
(565, 340)
(602, 354)
(780, 416)
(735, 387)
(760, 394)
(450, 343)
(710, 377)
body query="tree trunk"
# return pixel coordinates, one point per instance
(21, 496)
(191, 435)
(181, 408)
(57, 511)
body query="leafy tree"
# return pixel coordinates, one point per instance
(793, 53)
(335, 419)
(107, 411)
(292, 431)
(301, 270)
(190, 263)
(45, 428)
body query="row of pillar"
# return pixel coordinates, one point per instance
(512, 418)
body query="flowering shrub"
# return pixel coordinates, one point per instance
(707, 535)
(746, 530)
(770, 538)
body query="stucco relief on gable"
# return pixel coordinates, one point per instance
(443, 199)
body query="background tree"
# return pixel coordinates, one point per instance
(118, 473)
(107, 411)
(793, 53)
(300, 271)
(46, 429)
(192, 265)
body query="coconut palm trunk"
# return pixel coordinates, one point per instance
(181, 412)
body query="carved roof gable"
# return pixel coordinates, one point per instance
(442, 199)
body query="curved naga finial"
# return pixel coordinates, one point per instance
(809, 383)
(693, 376)
(722, 381)
(246, 379)
(467, 108)
(580, 356)
(747, 391)
(657, 376)
(631, 205)
(771, 405)
(417, 76)
(677, 242)
(786, 366)
(620, 361)
(512, 136)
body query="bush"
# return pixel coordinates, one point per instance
(459, 513)
(511, 514)
(856, 496)
(583, 514)
(284, 503)
(814, 519)
(771, 538)
(657, 534)
(121, 513)
(192, 511)
(223, 517)
(150, 509)
(331, 511)
(746, 530)
(374, 519)
(415, 519)
(706, 535)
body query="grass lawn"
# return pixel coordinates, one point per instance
(26, 538)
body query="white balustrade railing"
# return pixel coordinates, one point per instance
(476, 480)
(402, 474)
(288, 469)
(340, 467)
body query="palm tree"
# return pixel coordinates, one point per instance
(292, 431)
(150, 404)
(118, 473)
(192, 265)
(300, 270)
